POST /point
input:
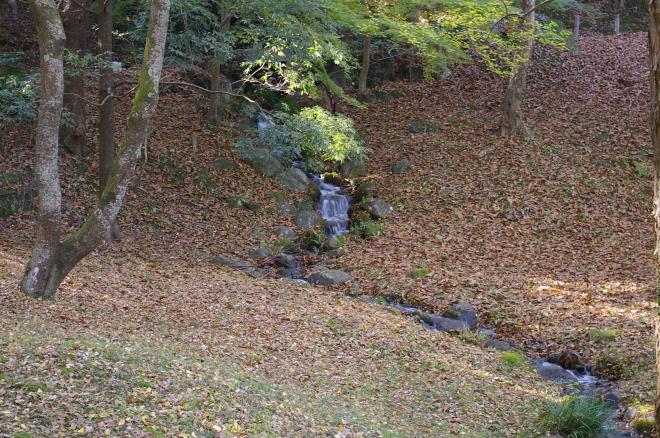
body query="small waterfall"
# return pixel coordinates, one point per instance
(333, 207)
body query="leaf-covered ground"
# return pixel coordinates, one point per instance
(549, 238)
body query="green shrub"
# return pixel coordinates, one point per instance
(315, 136)
(575, 417)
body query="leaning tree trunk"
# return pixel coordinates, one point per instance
(220, 84)
(366, 62)
(75, 20)
(513, 123)
(50, 34)
(44, 274)
(106, 113)
(654, 57)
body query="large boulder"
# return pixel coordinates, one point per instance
(265, 162)
(286, 233)
(306, 219)
(294, 179)
(329, 277)
(286, 261)
(465, 312)
(379, 209)
(259, 253)
(353, 169)
(448, 324)
(223, 164)
(568, 359)
(553, 371)
(401, 166)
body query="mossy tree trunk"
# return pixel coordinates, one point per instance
(654, 58)
(513, 122)
(51, 259)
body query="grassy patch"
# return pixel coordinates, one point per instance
(575, 417)
(513, 359)
(418, 273)
(603, 335)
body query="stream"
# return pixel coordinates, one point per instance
(581, 383)
(333, 205)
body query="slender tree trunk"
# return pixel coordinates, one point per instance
(513, 122)
(218, 101)
(45, 273)
(106, 117)
(14, 13)
(654, 58)
(327, 99)
(75, 20)
(50, 34)
(366, 58)
(617, 24)
(576, 27)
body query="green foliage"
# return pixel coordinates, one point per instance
(314, 136)
(644, 426)
(363, 226)
(642, 169)
(18, 90)
(575, 417)
(513, 359)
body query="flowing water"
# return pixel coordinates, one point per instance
(333, 207)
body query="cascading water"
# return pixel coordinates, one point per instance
(333, 207)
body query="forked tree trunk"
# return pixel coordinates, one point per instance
(218, 101)
(513, 123)
(654, 58)
(51, 260)
(106, 113)
(75, 20)
(366, 62)
(50, 34)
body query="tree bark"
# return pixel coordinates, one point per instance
(576, 27)
(50, 34)
(106, 116)
(513, 122)
(366, 62)
(218, 101)
(50, 271)
(617, 24)
(75, 20)
(654, 58)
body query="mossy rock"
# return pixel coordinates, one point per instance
(333, 178)
(242, 202)
(645, 427)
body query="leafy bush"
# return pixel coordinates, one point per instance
(314, 136)
(575, 417)
(18, 93)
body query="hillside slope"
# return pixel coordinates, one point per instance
(548, 238)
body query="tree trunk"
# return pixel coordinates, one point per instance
(50, 34)
(576, 27)
(654, 58)
(327, 99)
(45, 273)
(14, 13)
(218, 101)
(617, 24)
(513, 123)
(364, 72)
(75, 20)
(106, 116)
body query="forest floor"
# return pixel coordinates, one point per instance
(549, 238)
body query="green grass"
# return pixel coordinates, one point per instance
(513, 359)
(418, 273)
(575, 417)
(603, 335)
